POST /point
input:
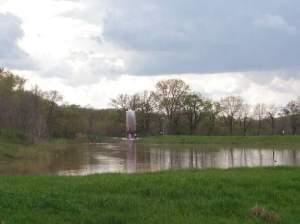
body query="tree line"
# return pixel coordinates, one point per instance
(179, 110)
(35, 115)
(172, 108)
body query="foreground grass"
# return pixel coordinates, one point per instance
(228, 140)
(212, 196)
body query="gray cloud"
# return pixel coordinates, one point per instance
(174, 36)
(11, 55)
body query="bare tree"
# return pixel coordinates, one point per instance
(272, 112)
(134, 101)
(146, 106)
(260, 112)
(170, 96)
(292, 111)
(121, 102)
(53, 97)
(213, 111)
(125, 102)
(245, 117)
(231, 107)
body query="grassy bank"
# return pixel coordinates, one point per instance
(227, 140)
(211, 196)
(15, 148)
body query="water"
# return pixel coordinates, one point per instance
(124, 157)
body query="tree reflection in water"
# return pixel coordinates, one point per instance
(129, 157)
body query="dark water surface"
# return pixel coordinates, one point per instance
(124, 157)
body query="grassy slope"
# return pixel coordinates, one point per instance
(237, 140)
(211, 196)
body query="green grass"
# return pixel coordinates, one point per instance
(12, 136)
(225, 140)
(211, 196)
(11, 148)
(15, 149)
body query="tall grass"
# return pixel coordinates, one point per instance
(210, 197)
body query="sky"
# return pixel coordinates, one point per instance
(92, 50)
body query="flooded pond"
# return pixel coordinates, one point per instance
(124, 157)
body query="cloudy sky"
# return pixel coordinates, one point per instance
(92, 50)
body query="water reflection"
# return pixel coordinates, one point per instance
(131, 158)
(223, 158)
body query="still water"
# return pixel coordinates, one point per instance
(124, 157)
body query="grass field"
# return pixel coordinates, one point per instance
(234, 196)
(270, 195)
(13, 149)
(227, 140)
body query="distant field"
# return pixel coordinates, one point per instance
(213, 196)
(238, 140)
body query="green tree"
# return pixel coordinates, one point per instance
(194, 107)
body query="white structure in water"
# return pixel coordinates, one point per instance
(131, 124)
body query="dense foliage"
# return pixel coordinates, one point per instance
(33, 115)
(173, 108)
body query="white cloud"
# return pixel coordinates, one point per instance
(275, 22)
(65, 47)
(278, 91)
(92, 50)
